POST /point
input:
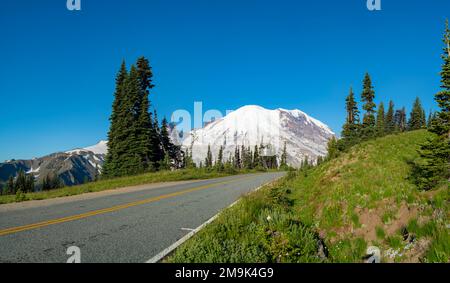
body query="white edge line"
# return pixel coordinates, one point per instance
(178, 243)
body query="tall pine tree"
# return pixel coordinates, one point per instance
(417, 118)
(144, 123)
(110, 168)
(209, 158)
(350, 132)
(368, 96)
(130, 152)
(389, 123)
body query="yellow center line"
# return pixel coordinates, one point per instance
(111, 209)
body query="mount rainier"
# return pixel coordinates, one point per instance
(305, 137)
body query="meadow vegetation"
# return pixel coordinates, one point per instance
(333, 212)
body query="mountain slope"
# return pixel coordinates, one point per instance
(252, 125)
(333, 212)
(73, 167)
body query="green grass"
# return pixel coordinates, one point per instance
(110, 184)
(337, 203)
(380, 232)
(259, 228)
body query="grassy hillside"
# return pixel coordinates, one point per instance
(333, 212)
(102, 185)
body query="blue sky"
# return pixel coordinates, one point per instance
(58, 67)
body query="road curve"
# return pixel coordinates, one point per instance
(128, 226)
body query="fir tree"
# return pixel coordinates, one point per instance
(350, 132)
(368, 96)
(244, 158)
(441, 126)
(144, 123)
(390, 120)
(332, 149)
(209, 158)
(400, 120)
(431, 119)
(417, 117)
(219, 161)
(237, 158)
(21, 181)
(30, 183)
(248, 160)
(10, 186)
(110, 168)
(380, 126)
(51, 182)
(434, 164)
(257, 163)
(129, 150)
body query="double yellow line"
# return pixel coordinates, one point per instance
(111, 209)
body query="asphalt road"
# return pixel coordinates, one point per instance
(124, 226)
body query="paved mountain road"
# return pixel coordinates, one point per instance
(119, 226)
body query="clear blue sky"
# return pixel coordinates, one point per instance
(58, 67)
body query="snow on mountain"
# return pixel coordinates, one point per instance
(305, 137)
(100, 148)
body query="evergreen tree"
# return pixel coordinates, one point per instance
(390, 120)
(248, 160)
(380, 126)
(219, 161)
(188, 160)
(30, 183)
(434, 164)
(237, 158)
(110, 168)
(244, 158)
(51, 182)
(144, 123)
(257, 163)
(417, 118)
(209, 158)
(130, 156)
(332, 149)
(368, 96)
(441, 126)
(400, 120)
(431, 119)
(350, 133)
(10, 186)
(21, 181)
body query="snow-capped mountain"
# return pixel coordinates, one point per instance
(305, 137)
(72, 167)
